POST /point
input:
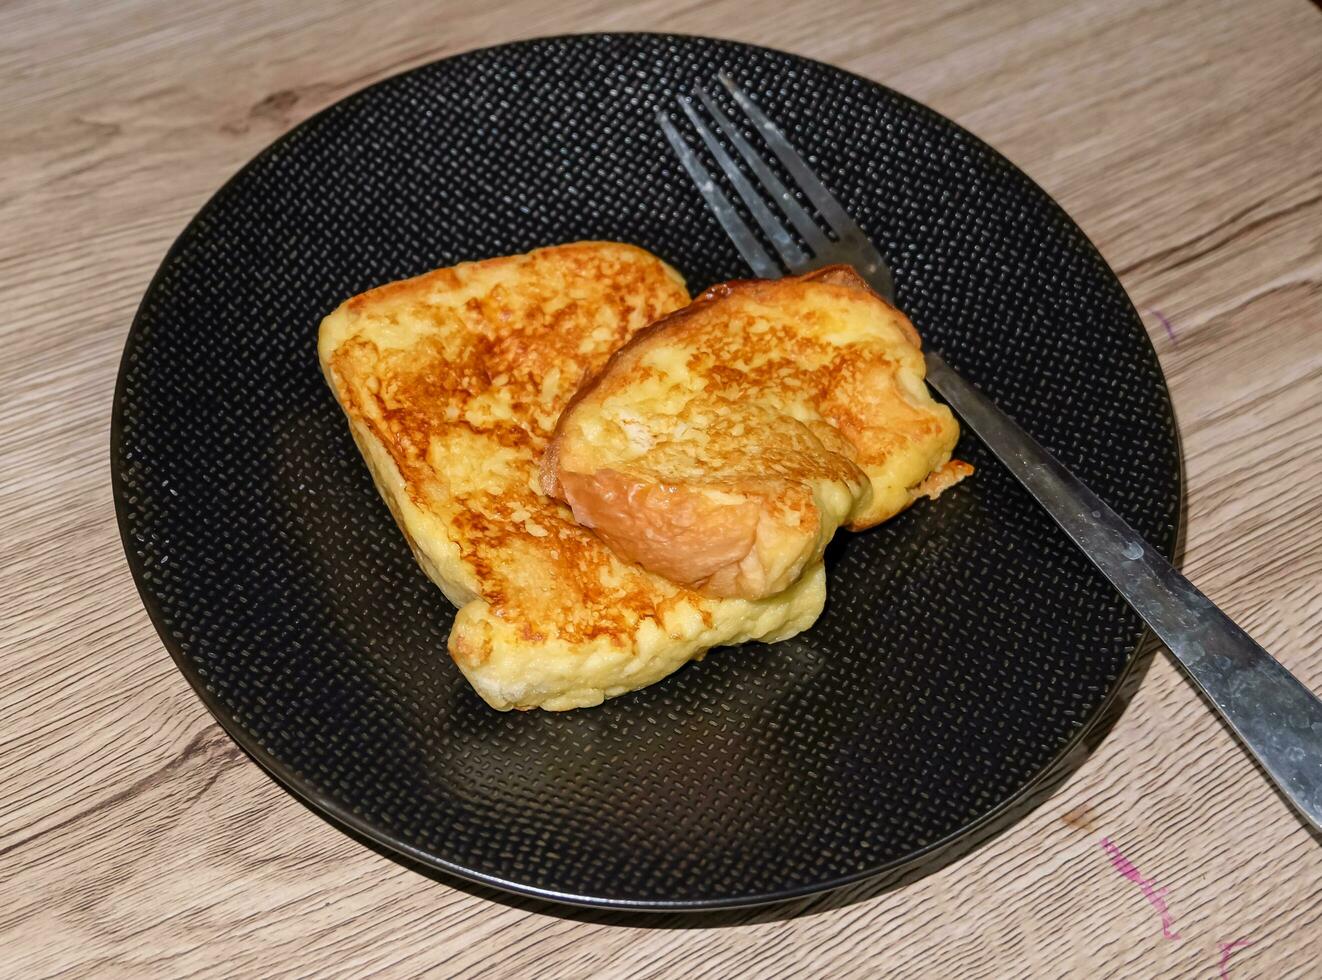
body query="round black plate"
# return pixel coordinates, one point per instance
(967, 650)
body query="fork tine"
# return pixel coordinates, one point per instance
(836, 217)
(789, 251)
(812, 235)
(865, 256)
(762, 264)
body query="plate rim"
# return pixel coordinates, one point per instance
(978, 831)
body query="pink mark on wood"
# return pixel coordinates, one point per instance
(1166, 324)
(1227, 950)
(1154, 895)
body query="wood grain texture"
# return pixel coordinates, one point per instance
(136, 839)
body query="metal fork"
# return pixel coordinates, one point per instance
(1277, 718)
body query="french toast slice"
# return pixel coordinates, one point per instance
(452, 383)
(723, 446)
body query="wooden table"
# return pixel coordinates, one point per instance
(136, 839)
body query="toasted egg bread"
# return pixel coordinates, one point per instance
(722, 447)
(452, 383)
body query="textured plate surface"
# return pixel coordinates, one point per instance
(967, 649)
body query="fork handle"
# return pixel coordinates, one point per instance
(1277, 718)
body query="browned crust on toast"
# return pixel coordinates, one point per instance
(641, 517)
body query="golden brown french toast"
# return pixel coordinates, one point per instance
(452, 383)
(722, 447)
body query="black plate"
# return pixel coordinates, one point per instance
(968, 652)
